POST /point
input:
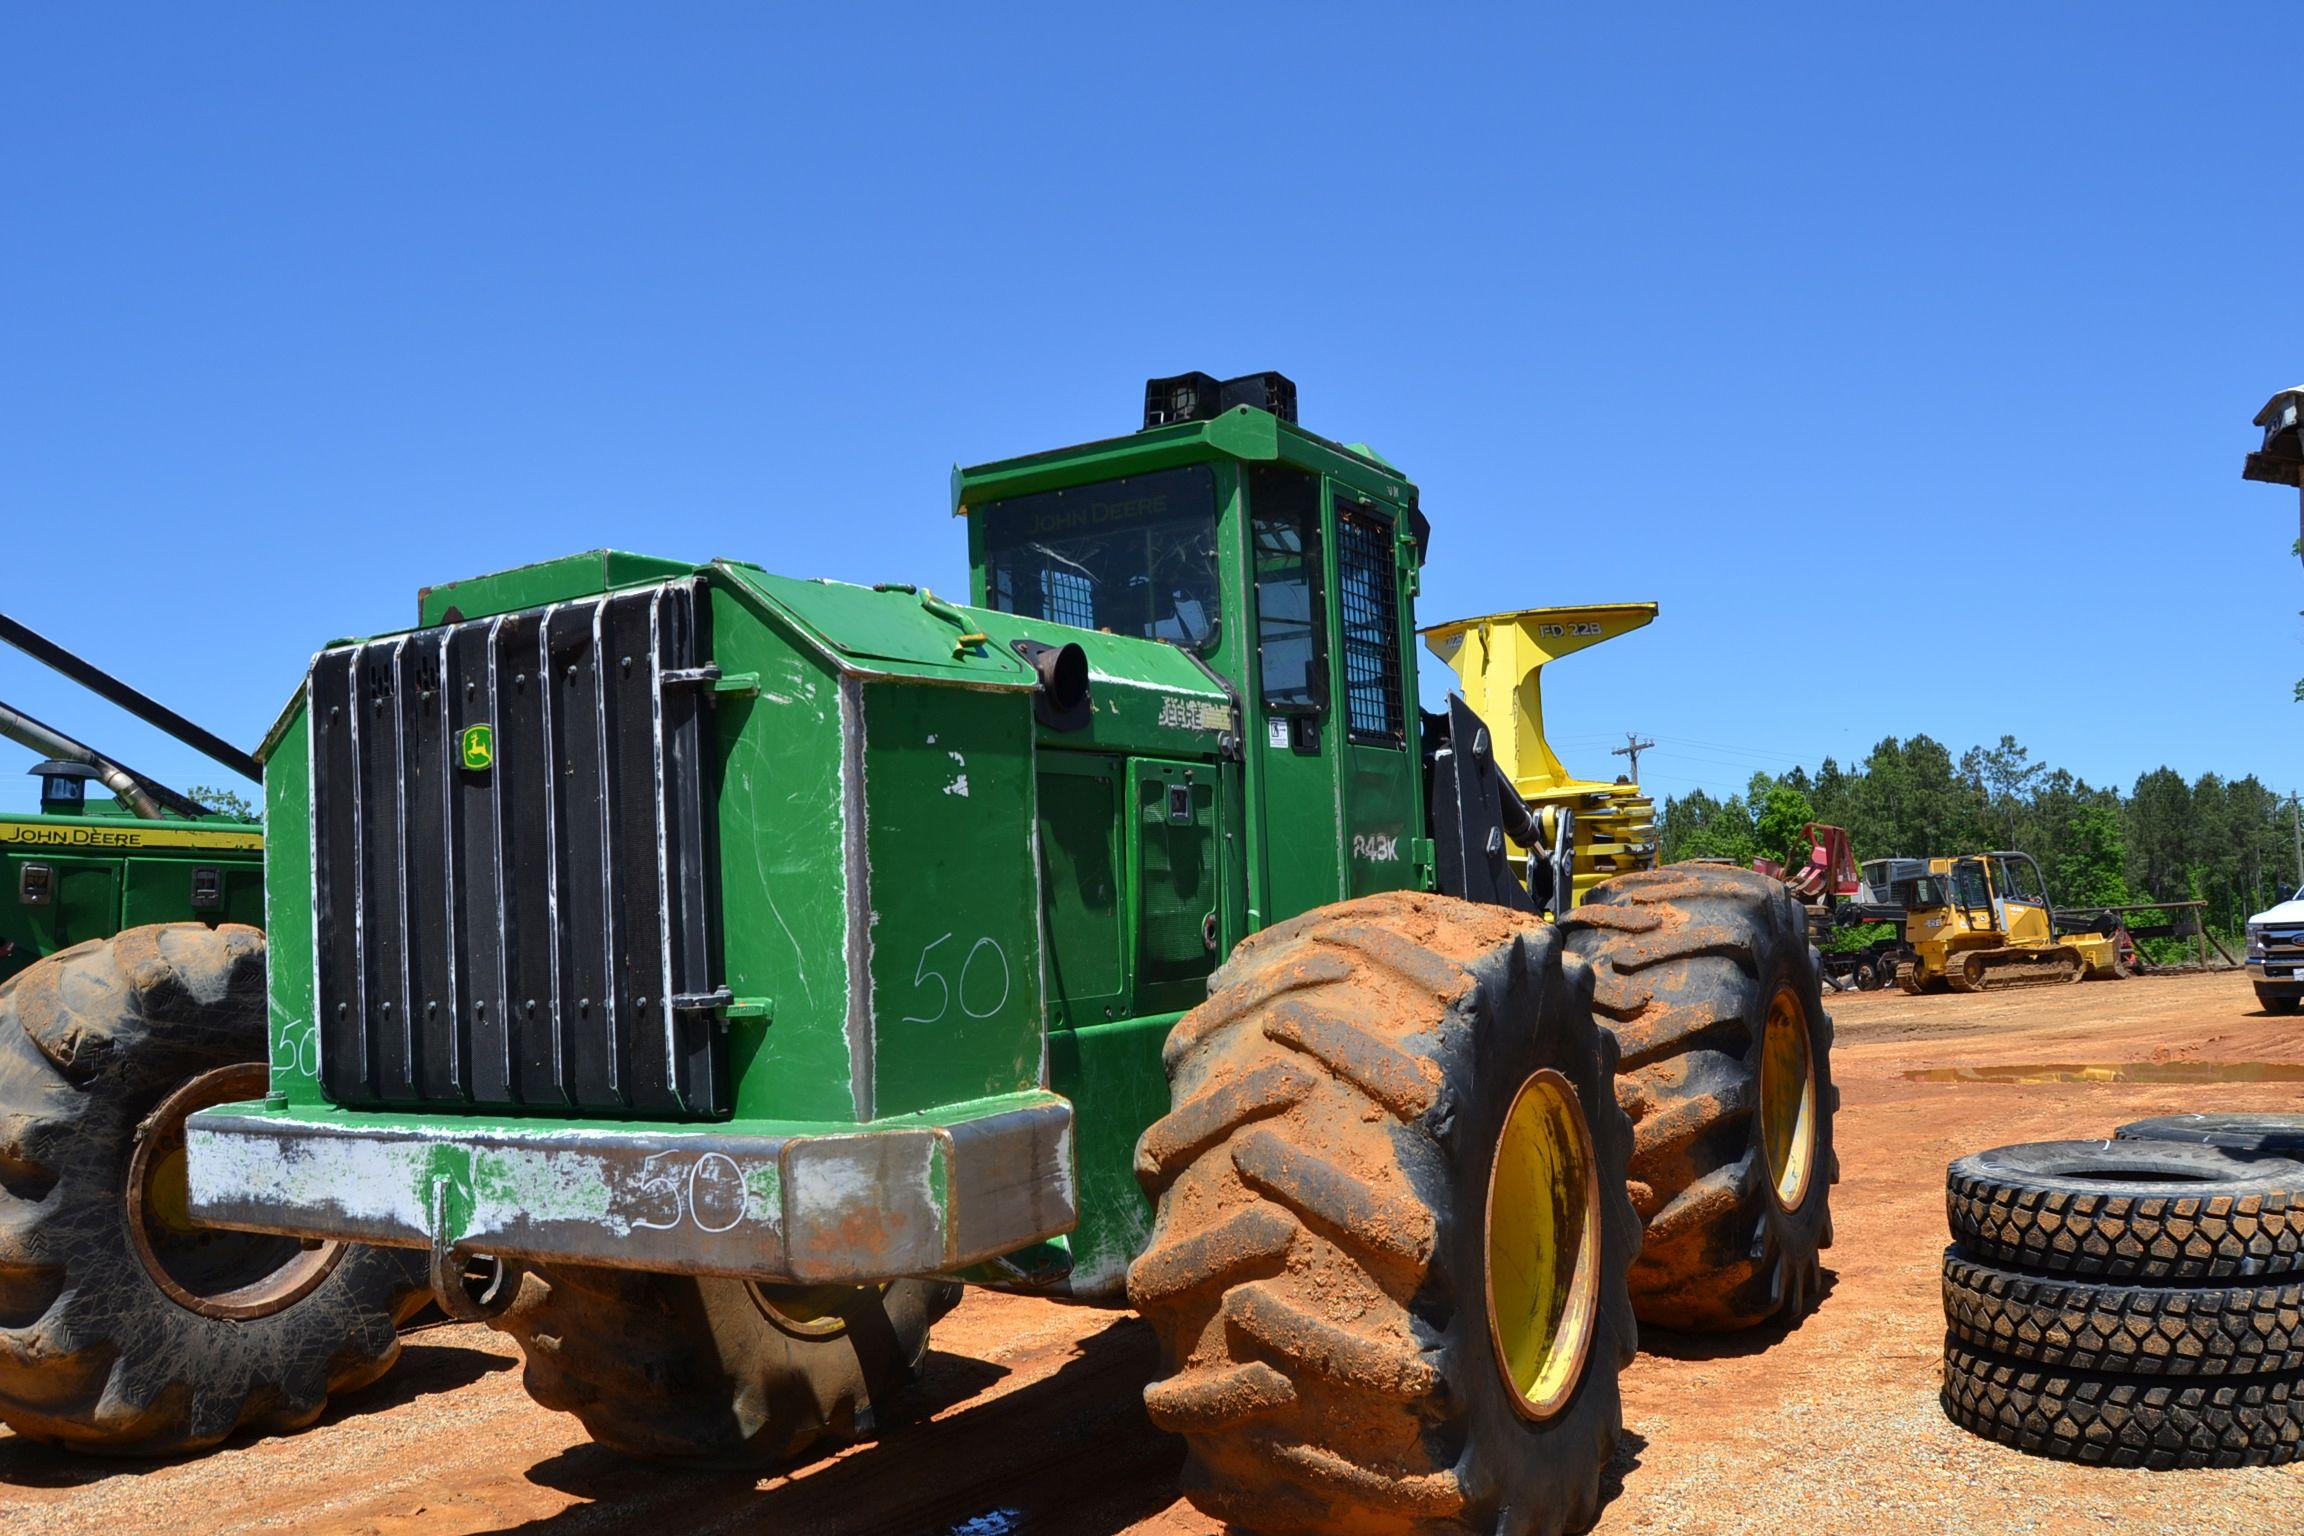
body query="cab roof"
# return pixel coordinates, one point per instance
(1242, 433)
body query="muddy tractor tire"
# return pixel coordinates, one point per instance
(717, 1372)
(125, 1328)
(1705, 975)
(1387, 1266)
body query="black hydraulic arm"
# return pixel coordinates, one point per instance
(150, 710)
(1472, 808)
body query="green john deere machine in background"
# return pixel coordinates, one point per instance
(83, 869)
(757, 960)
(86, 868)
(132, 995)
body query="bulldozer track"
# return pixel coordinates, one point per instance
(1994, 970)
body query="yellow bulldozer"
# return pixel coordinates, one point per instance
(1588, 830)
(1984, 920)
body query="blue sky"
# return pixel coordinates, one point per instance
(1905, 356)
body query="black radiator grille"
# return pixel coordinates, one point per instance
(534, 930)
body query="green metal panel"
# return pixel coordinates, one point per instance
(84, 904)
(1385, 821)
(954, 908)
(1113, 1076)
(876, 831)
(1082, 860)
(887, 631)
(904, 624)
(547, 581)
(288, 914)
(87, 901)
(159, 890)
(1172, 848)
(1149, 696)
(780, 808)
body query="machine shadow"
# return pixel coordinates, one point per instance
(423, 1370)
(1673, 1345)
(1622, 1463)
(1069, 1455)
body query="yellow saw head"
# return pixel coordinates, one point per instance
(1500, 661)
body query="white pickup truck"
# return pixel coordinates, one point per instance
(2276, 955)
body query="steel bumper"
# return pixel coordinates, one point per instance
(814, 1205)
(2291, 974)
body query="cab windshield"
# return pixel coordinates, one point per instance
(1921, 892)
(1134, 556)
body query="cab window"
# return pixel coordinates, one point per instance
(2018, 882)
(1133, 556)
(1284, 538)
(1370, 606)
(1922, 892)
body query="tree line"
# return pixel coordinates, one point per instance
(2228, 842)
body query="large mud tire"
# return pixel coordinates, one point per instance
(2244, 1135)
(2131, 1330)
(2154, 1211)
(1318, 1271)
(95, 1351)
(2125, 1421)
(718, 1372)
(1691, 964)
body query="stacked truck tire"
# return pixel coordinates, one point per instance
(2137, 1302)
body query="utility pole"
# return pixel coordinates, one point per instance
(2296, 822)
(1634, 746)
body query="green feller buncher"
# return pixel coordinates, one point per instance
(756, 961)
(131, 996)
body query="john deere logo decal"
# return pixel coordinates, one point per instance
(476, 746)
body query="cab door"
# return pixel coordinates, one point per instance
(1300, 809)
(2022, 900)
(1381, 819)
(1972, 896)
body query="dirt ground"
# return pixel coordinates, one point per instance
(1028, 1417)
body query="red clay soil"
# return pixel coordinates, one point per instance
(1029, 1418)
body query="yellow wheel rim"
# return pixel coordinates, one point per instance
(810, 1311)
(168, 1193)
(1543, 1245)
(1788, 1099)
(209, 1270)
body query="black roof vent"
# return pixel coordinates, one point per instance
(63, 785)
(2281, 460)
(1198, 396)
